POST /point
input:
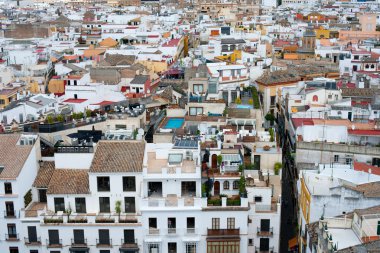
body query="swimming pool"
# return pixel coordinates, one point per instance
(174, 123)
(244, 106)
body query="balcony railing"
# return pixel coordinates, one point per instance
(268, 250)
(223, 232)
(34, 241)
(78, 243)
(54, 243)
(11, 237)
(153, 231)
(10, 214)
(103, 243)
(265, 232)
(190, 231)
(128, 244)
(172, 231)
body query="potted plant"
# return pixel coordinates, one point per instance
(68, 212)
(219, 160)
(277, 168)
(118, 208)
(266, 148)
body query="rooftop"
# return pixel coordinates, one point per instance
(69, 181)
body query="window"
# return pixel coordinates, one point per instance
(172, 247)
(265, 225)
(2, 102)
(235, 184)
(172, 225)
(104, 251)
(12, 233)
(8, 188)
(79, 236)
(152, 222)
(212, 88)
(194, 111)
(80, 205)
(378, 228)
(258, 199)
(129, 184)
(190, 247)
(250, 242)
(59, 204)
(104, 237)
(33, 251)
(215, 223)
(356, 57)
(130, 206)
(13, 250)
(230, 223)
(153, 247)
(129, 236)
(9, 208)
(104, 204)
(53, 237)
(103, 184)
(264, 244)
(75, 96)
(223, 246)
(330, 96)
(336, 158)
(198, 88)
(226, 185)
(190, 225)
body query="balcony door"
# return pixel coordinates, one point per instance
(32, 233)
(79, 236)
(264, 244)
(264, 225)
(104, 236)
(10, 210)
(53, 237)
(129, 236)
(216, 188)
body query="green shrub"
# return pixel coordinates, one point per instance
(277, 167)
(50, 119)
(233, 202)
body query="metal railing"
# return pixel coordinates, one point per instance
(11, 214)
(76, 242)
(36, 241)
(153, 231)
(172, 230)
(268, 250)
(103, 242)
(54, 243)
(12, 237)
(125, 241)
(266, 232)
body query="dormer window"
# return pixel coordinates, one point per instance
(175, 159)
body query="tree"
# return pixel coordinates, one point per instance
(49, 119)
(68, 212)
(60, 118)
(238, 101)
(277, 167)
(88, 113)
(219, 160)
(270, 117)
(242, 190)
(118, 208)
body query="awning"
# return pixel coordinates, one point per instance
(129, 250)
(79, 250)
(292, 243)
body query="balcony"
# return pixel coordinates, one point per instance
(170, 202)
(153, 231)
(172, 231)
(264, 232)
(223, 232)
(190, 231)
(103, 243)
(32, 241)
(11, 215)
(12, 237)
(54, 243)
(79, 243)
(267, 250)
(129, 245)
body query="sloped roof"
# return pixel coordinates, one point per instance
(108, 42)
(118, 156)
(140, 79)
(44, 175)
(69, 181)
(12, 155)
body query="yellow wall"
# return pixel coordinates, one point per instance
(56, 86)
(34, 88)
(155, 66)
(322, 33)
(305, 201)
(6, 99)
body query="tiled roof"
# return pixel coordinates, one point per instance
(118, 156)
(359, 92)
(12, 156)
(369, 190)
(44, 175)
(118, 59)
(140, 79)
(69, 181)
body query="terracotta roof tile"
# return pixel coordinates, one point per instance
(369, 190)
(44, 175)
(118, 156)
(69, 181)
(12, 155)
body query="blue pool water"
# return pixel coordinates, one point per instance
(244, 106)
(174, 123)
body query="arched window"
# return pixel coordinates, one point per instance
(372, 66)
(366, 66)
(226, 185)
(235, 184)
(315, 98)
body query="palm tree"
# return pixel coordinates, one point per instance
(118, 208)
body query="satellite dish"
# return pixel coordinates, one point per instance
(140, 131)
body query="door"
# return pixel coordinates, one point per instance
(265, 224)
(53, 237)
(42, 195)
(78, 236)
(104, 236)
(32, 234)
(137, 90)
(350, 116)
(256, 161)
(129, 236)
(10, 209)
(214, 161)
(216, 188)
(264, 244)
